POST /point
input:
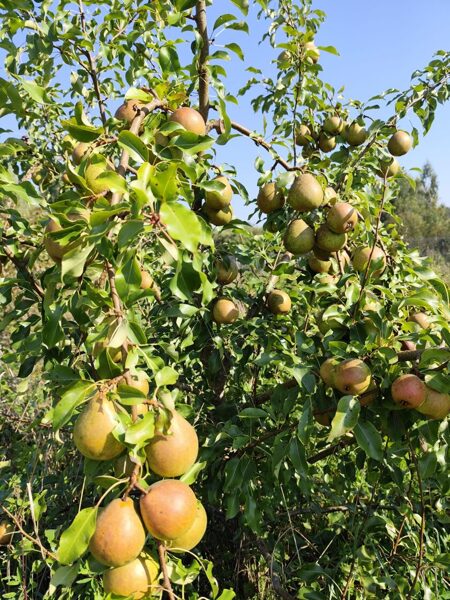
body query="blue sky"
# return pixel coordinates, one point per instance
(380, 44)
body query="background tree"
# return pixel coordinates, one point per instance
(424, 221)
(135, 306)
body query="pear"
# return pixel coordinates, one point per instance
(128, 111)
(173, 453)
(119, 535)
(302, 135)
(436, 404)
(421, 320)
(352, 376)
(327, 370)
(361, 257)
(342, 217)
(326, 143)
(168, 509)
(306, 193)
(219, 199)
(329, 240)
(93, 429)
(218, 217)
(312, 53)
(146, 280)
(137, 579)
(6, 532)
(389, 168)
(321, 254)
(139, 381)
(190, 119)
(225, 311)
(409, 391)
(400, 143)
(330, 196)
(299, 237)
(284, 59)
(227, 269)
(278, 302)
(355, 134)
(269, 199)
(54, 249)
(317, 265)
(193, 535)
(333, 125)
(79, 151)
(91, 174)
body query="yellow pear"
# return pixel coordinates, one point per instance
(227, 269)
(173, 454)
(218, 217)
(269, 198)
(352, 376)
(299, 237)
(278, 302)
(6, 532)
(137, 579)
(436, 404)
(119, 535)
(306, 193)
(219, 199)
(225, 311)
(400, 143)
(93, 429)
(190, 119)
(193, 535)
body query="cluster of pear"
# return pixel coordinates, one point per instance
(225, 310)
(308, 52)
(354, 134)
(409, 391)
(169, 510)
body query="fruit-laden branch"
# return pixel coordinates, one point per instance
(135, 127)
(166, 579)
(276, 583)
(390, 123)
(22, 268)
(27, 535)
(402, 356)
(203, 72)
(219, 126)
(271, 283)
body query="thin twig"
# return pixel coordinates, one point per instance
(27, 535)
(276, 583)
(166, 580)
(23, 269)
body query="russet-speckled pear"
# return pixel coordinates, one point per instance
(168, 509)
(173, 453)
(92, 432)
(342, 217)
(119, 535)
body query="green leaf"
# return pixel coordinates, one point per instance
(64, 577)
(167, 376)
(191, 476)
(74, 261)
(253, 413)
(182, 224)
(139, 434)
(82, 133)
(346, 417)
(134, 146)
(75, 540)
(168, 59)
(71, 398)
(35, 91)
(236, 49)
(369, 439)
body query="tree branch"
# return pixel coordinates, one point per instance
(422, 523)
(23, 269)
(203, 72)
(166, 580)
